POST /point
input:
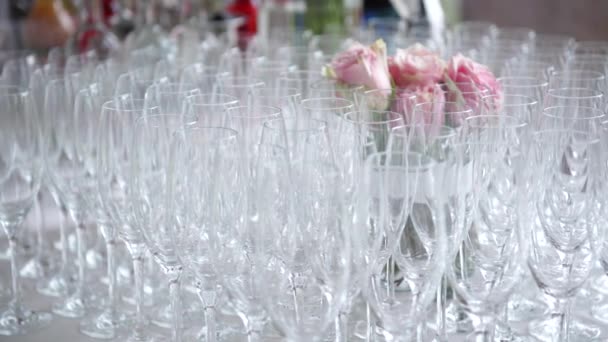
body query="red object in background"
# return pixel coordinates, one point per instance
(247, 10)
(108, 9)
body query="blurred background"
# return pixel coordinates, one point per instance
(41, 24)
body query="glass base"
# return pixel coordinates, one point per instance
(56, 286)
(75, 306)
(33, 269)
(600, 284)
(105, 325)
(548, 330)
(525, 309)
(600, 312)
(29, 321)
(147, 336)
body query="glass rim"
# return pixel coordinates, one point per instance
(7, 90)
(598, 112)
(449, 132)
(269, 124)
(594, 93)
(276, 111)
(113, 104)
(515, 121)
(534, 81)
(232, 133)
(173, 87)
(563, 74)
(344, 105)
(291, 91)
(429, 162)
(348, 117)
(592, 137)
(529, 99)
(328, 83)
(468, 108)
(228, 99)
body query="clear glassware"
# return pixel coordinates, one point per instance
(573, 78)
(241, 87)
(169, 97)
(151, 174)
(22, 156)
(584, 97)
(114, 166)
(89, 103)
(524, 85)
(209, 160)
(304, 280)
(328, 109)
(395, 181)
(330, 88)
(493, 146)
(567, 236)
(522, 107)
(67, 174)
(287, 99)
(205, 78)
(210, 109)
(359, 135)
(300, 79)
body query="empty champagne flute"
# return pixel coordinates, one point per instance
(22, 154)
(114, 167)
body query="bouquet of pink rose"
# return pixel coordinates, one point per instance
(414, 72)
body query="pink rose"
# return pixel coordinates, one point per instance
(361, 65)
(464, 71)
(416, 66)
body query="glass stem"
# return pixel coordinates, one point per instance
(368, 320)
(564, 319)
(63, 238)
(111, 263)
(80, 251)
(137, 255)
(16, 303)
(341, 326)
(176, 303)
(208, 298)
(254, 330)
(485, 331)
(39, 226)
(441, 304)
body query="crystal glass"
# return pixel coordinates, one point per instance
(522, 107)
(573, 78)
(395, 183)
(563, 242)
(68, 175)
(209, 109)
(304, 260)
(492, 145)
(114, 167)
(287, 99)
(328, 109)
(240, 87)
(88, 104)
(584, 97)
(22, 154)
(207, 161)
(524, 85)
(58, 98)
(151, 172)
